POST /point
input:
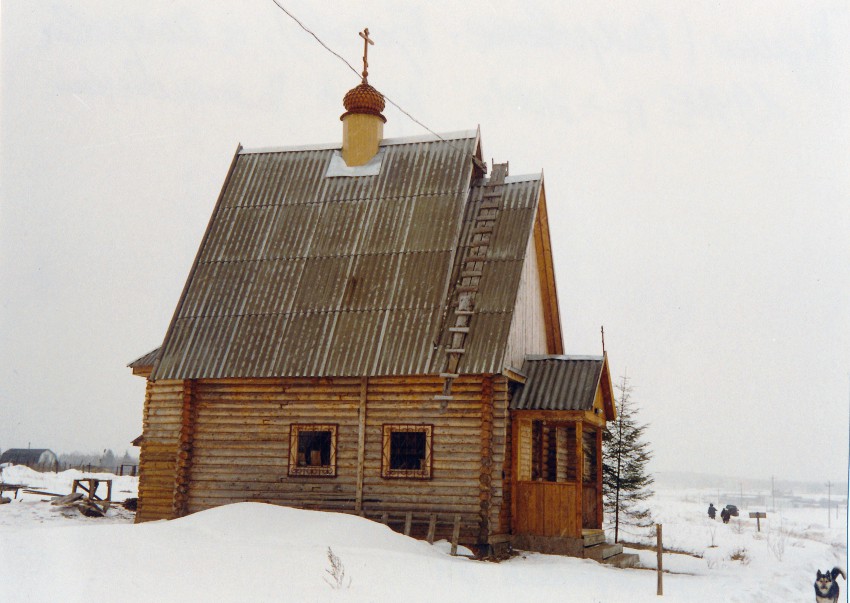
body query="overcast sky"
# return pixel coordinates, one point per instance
(696, 169)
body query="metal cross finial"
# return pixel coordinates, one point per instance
(366, 41)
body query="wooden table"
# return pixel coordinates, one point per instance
(91, 491)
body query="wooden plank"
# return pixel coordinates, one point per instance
(455, 534)
(551, 509)
(407, 520)
(432, 524)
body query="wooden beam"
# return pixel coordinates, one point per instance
(599, 505)
(361, 443)
(515, 452)
(514, 375)
(554, 417)
(546, 271)
(432, 527)
(455, 534)
(143, 371)
(485, 490)
(180, 501)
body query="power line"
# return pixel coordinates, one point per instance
(309, 31)
(477, 161)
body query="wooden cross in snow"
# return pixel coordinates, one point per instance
(366, 41)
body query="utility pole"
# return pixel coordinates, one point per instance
(773, 492)
(828, 504)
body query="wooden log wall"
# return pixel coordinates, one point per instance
(485, 478)
(456, 483)
(241, 442)
(185, 439)
(157, 463)
(494, 481)
(239, 445)
(504, 433)
(500, 520)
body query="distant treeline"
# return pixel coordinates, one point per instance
(106, 461)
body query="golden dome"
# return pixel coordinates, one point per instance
(363, 99)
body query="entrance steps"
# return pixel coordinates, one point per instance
(591, 545)
(596, 548)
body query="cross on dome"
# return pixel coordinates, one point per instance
(366, 41)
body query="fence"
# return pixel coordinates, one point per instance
(131, 469)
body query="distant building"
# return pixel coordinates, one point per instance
(39, 459)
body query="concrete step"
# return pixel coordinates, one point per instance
(623, 560)
(593, 538)
(600, 552)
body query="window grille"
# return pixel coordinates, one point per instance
(407, 451)
(312, 450)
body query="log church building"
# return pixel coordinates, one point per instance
(372, 327)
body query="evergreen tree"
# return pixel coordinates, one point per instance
(107, 461)
(626, 484)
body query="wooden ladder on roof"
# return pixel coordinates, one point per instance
(471, 269)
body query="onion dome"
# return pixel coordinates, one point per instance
(365, 100)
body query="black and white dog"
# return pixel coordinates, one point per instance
(826, 588)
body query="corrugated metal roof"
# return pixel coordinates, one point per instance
(27, 456)
(147, 360)
(499, 284)
(559, 383)
(301, 274)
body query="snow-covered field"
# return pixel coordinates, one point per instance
(257, 552)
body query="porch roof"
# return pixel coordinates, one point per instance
(560, 382)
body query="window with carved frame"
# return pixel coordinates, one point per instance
(407, 451)
(312, 449)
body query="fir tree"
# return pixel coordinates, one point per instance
(626, 484)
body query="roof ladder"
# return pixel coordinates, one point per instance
(471, 269)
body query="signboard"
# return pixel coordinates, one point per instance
(758, 516)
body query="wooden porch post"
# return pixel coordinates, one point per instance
(579, 444)
(514, 469)
(599, 505)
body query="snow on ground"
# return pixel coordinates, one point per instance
(777, 563)
(258, 552)
(30, 510)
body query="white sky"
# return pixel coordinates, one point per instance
(696, 165)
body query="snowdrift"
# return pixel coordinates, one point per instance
(260, 552)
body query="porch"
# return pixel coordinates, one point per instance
(558, 478)
(558, 417)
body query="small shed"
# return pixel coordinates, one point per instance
(40, 459)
